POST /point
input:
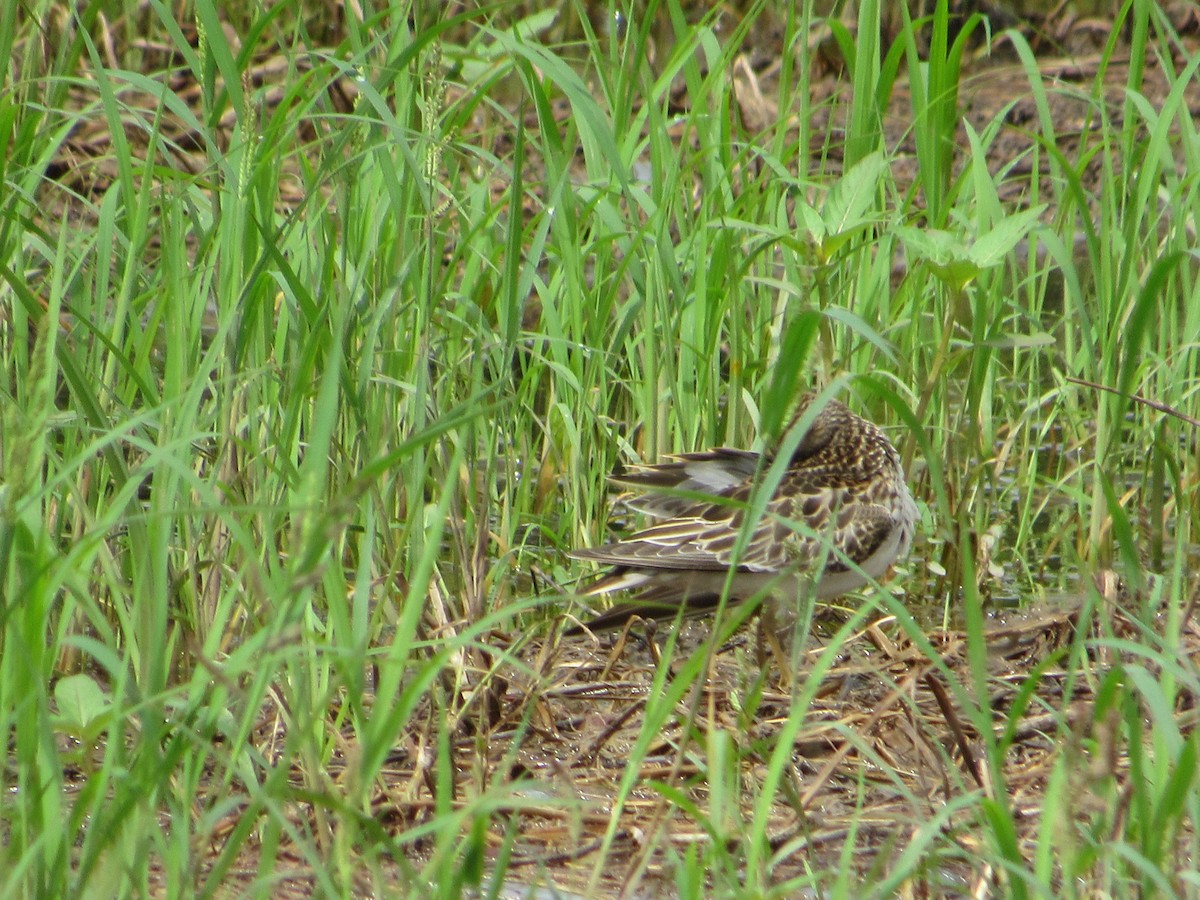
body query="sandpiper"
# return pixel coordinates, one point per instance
(841, 507)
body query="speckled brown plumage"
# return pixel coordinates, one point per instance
(841, 505)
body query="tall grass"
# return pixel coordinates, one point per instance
(312, 375)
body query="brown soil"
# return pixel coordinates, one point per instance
(890, 732)
(889, 746)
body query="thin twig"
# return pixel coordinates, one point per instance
(1137, 398)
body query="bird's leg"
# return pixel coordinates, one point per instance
(777, 639)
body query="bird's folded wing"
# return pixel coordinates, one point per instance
(670, 488)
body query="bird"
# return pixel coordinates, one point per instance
(841, 499)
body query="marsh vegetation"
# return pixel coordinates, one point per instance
(322, 327)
